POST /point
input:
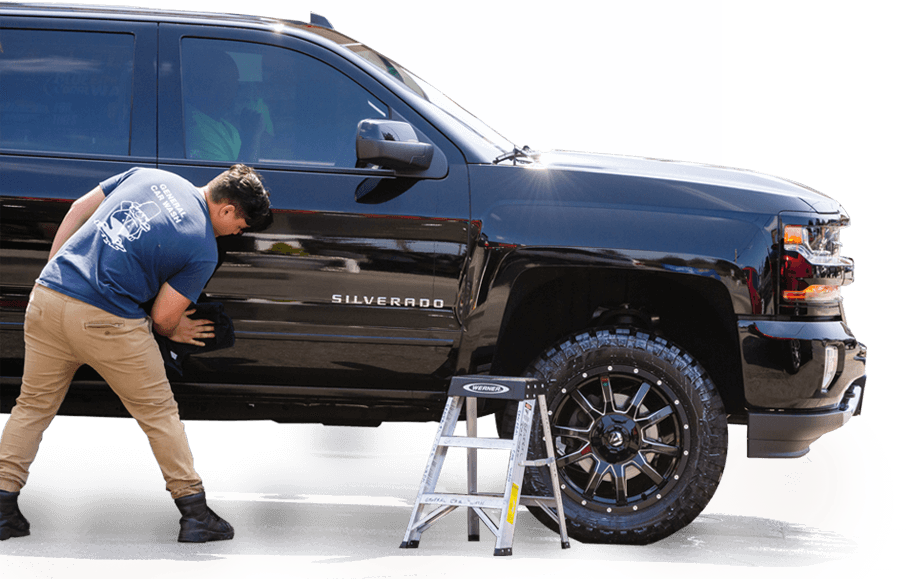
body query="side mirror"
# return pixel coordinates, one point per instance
(393, 145)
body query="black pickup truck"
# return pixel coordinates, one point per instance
(659, 301)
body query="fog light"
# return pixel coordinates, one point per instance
(831, 366)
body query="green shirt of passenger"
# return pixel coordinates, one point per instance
(210, 139)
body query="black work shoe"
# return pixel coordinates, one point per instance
(12, 523)
(199, 523)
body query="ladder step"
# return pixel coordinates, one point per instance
(484, 443)
(491, 500)
(481, 501)
(537, 501)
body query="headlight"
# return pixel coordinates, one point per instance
(820, 245)
(812, 267)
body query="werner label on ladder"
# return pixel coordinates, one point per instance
(431, 506)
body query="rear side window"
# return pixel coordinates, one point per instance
(65, 91)
(259, 103)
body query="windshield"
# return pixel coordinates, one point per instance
(472, 128)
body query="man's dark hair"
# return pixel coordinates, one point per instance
(242, 187)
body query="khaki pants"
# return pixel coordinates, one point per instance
(61, 334)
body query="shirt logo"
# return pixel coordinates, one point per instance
(127, 223)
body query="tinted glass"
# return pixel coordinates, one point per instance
(63, 91)
(467, 123)
(251, 102)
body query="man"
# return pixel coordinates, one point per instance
(144, 235)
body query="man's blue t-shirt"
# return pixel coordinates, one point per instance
(153, 227)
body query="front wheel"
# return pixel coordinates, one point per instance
(640, 435)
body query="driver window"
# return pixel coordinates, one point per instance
(250, 102)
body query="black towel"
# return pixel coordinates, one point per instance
(175, 353)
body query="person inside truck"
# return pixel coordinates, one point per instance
(211, 83)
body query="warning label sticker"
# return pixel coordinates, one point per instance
(512, 504)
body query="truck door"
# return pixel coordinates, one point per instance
(75, 108)
(343, 290)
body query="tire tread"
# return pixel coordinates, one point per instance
(693, 493)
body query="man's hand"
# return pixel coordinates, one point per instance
(191, 331)
(170, 318)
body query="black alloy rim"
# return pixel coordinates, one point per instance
(622, 439)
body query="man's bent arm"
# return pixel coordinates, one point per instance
(169, 318)
(80, 212)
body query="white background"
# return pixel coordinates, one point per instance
(611, 77)
(616, 77)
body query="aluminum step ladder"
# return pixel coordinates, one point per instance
(431, 506)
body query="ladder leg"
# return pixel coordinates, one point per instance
(432, 470)
(472, 471)
(553, 471)
(514, 479)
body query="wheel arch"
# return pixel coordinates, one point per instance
(547, 303)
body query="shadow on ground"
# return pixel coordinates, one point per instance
(127, 522)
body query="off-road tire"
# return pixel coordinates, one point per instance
(664, 435)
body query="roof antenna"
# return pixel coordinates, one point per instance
(318, 20)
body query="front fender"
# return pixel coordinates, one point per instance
(634, 221)
(735, 249)
(735, 237)
(512, 273)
